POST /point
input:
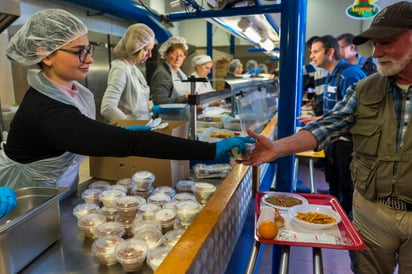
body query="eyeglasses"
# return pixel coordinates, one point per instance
(83, 53)
(176, 55)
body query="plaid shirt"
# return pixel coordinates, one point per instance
(341, 117)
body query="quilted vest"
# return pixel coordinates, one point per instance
(374, 144)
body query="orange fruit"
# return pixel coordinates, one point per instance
(268, 230)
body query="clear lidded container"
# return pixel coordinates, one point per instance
(109, 198)
(131, 254)
(171, 237)
(111, 215)
(103, 185)
(92, 195)
(156, 256)
(168, 190)
(128, 183)
(89, 222)
(203, 191)
(127, 206)
(148, 211)
(152, 236)
(145, 224)
(166, 218)
(103, 248)
(184, 186)
(158, 199)
(109, 229)
(143, 179)
(186, 211)
(185, 196)
(83, 209)
(119, 187)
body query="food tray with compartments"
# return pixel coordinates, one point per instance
(343, 236)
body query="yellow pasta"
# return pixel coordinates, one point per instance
(315, 218)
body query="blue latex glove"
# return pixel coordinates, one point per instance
(254, 71)
(226, 145)
(137, 128)
(8, 200)
(157, 109)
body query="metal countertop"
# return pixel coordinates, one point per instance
(72, 253)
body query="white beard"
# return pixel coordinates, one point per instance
(395, 66)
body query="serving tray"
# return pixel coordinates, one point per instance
(343, 236)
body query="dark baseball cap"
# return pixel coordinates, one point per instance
(390, 21)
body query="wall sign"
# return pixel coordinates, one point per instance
(362, 9)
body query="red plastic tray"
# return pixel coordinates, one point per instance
(352, 241)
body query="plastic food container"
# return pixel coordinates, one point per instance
(103, 248)
(119, 187)
(131, 254)
(127, 206)
(143, 193)
(148, 211)
(109, 229)
(128, 183)
(186, 211)
(170, 191)
(166, 218)
(83, 209)
(89, 222)
(159, 199)
(241, 156)
(170, 204)
(92, 195)
(171, 237)
(185, 196)
(156, 256)
(109, 198)
(152, 236)
(143, 179)
(111, 215)
(145, 224)
(203, 191)
(184, 186)
(103, 185)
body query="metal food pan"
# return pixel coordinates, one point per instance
(30, 228)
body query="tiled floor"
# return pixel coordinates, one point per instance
(301, 258)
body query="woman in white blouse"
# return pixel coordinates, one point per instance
(127, 92)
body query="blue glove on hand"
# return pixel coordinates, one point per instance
(157, 109)
(254, 71)
(226, 145)
(8, 200)
(135, 128)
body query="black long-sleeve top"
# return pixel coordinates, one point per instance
(44, 128)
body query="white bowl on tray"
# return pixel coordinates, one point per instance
(315, 209)
(285, 197)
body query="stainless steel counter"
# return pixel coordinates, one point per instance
(72, 253)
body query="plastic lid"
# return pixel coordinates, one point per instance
(91, 220)
(106, 244)
(143, 175)
(91, 192)
(156, 256)
(103, 185)
(128, 202)
(185, 196)
(159, 198)
(172, 237)
(203, 187)
(189, 206)
(109, 229)
(165, 215)
(144, 225)
(131, 250)
(152, 236)
(83, 209)
(184, 185)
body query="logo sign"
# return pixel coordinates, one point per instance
(362, 9)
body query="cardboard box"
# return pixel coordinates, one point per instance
(167, 172)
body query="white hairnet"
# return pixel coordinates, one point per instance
(44, 32)
(170, 42)
(233, 65)
(200, 60)
(136, 37)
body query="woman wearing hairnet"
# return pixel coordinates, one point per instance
(166, 85)
(234, 70)
(127, 92)
(202, 66)
(55, 124)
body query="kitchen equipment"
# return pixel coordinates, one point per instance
(30, 228)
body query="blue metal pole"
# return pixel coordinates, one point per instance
(293, 26)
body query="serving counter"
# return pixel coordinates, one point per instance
(207, 245)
